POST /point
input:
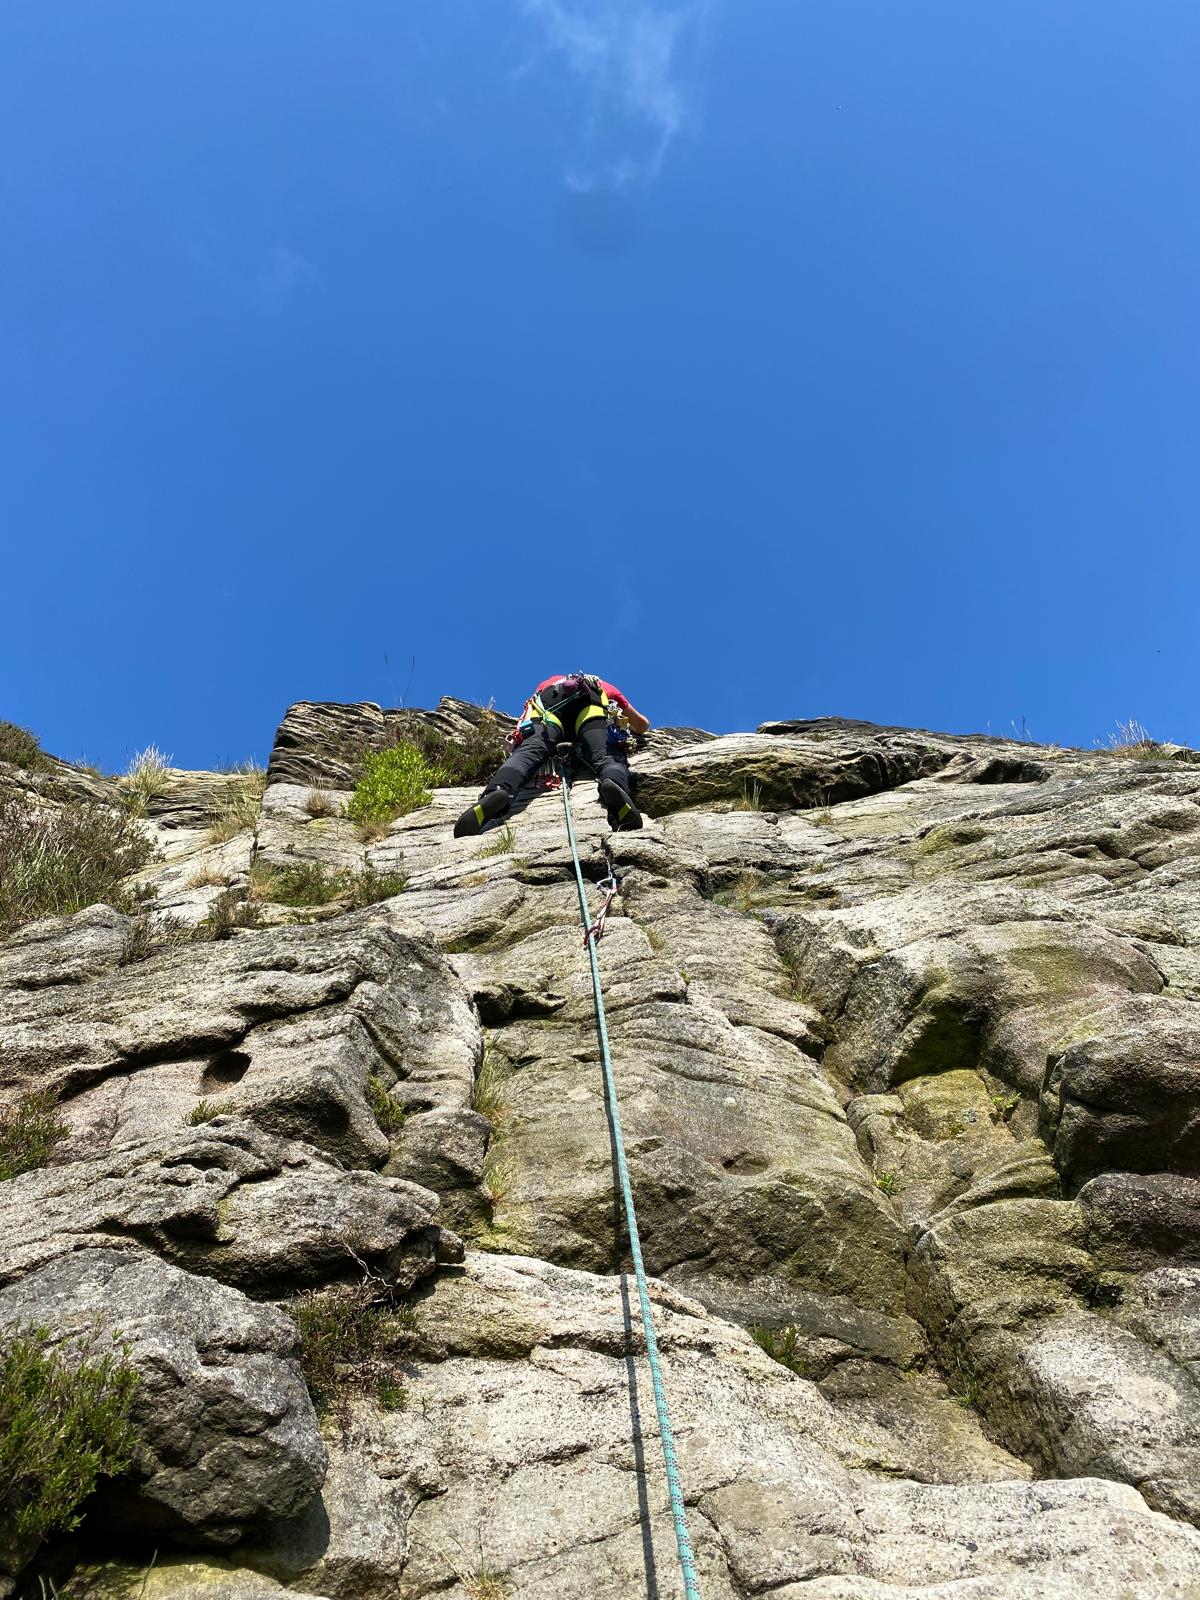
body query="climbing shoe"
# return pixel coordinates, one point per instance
(622, 813)
(492, 804)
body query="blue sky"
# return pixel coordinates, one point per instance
(778, 358)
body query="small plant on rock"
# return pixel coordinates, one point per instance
(464, 758)
(389, 1114)
(485, 1583)
(501, 843)
(29, 1131)
(148, 935)
(887, 1182)
(228, 912)
(320, 803)
(352, 1340)
(368, 887)
(144, 780)
(393, 783)
(489, 1098)
(204, 1111)
(1003, 1106)
(20, 748)
(782, 1345)
(64, 1424)
(237, 806)
(307, 883)
(750, 798)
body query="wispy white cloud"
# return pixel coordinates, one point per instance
(284, 275)
(627, 55)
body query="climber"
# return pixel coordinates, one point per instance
(571, 709)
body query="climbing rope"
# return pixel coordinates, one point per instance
(593, 930)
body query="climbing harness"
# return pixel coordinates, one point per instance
(593, 930)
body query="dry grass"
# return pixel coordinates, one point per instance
(371, 829)
(320, 803)
(144, 780)
(237, 807)
(206, 878)
(1134, 741)
(486, 1584)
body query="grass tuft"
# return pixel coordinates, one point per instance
(782, 1345)
(886, 1182)
(1133, 740)
(57, 861)
(204, 1111)
(489, 1098)
(501, 843)
(64, 1424)
(750, 798)
(320, 803)
(485, 1583)
(29, 1131)
(389, 1113)
(144, 780)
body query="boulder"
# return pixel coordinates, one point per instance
(226, 1434)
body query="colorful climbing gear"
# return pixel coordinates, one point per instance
(683, 1539)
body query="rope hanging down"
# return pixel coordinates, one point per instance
(683, 1538)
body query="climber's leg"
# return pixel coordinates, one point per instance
(505, 782)
(612, 772)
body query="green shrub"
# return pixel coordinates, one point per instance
(64, 1424)
(393, 783)
(29, 1131)
(307, 883)
(53, 862)
(464, 758)
(20, 748)
(352, 1338)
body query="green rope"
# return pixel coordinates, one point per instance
(683, 1538)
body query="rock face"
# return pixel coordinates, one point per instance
(906, 1034)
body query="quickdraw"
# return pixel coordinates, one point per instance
(610, 888)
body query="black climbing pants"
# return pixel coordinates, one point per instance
(538, 745)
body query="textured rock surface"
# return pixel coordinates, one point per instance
(227, 1434)
(904, 1025)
